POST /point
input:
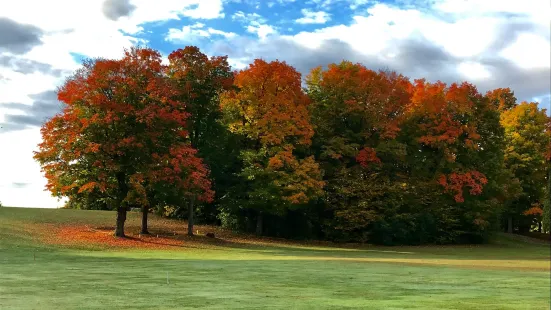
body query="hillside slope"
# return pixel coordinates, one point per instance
(52, 259)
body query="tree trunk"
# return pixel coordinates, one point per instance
(510, 224)
(540, 226)
(121, 218)
(121, 206)
(259, 224)
(190, 217)
(145, 211)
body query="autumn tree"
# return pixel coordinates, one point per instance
(356, 114)
(547, 199)
(459, 145)
(404, 162)
(503, 99)
(200, 81)
(122, 131)
(270, 111)
(527, 142)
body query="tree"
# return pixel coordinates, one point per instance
(200, 80)
(356, 113)
(460, 143)
(121, 117)
(502, 98)
(404, 162)
(269, 110)
(527, 140)
(180, 173)
(547, 202)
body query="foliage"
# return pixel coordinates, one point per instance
(502, 98)
(404, 161)
(357, 155)
(201, 80)
(269, 110)
(121, 132)
(527, 141)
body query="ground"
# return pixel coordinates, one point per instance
(68, 259)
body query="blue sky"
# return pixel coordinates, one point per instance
(490, 43)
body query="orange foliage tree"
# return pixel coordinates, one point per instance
(121, 133)
(502, 98)
(269, 110)
(447, 122)
(357, 114)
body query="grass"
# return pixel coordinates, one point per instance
(44, 266)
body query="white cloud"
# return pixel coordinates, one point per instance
(357, 3)
(529, 51)
(20, 85)
(310, 17)
(469, 34)
(467, 31)
(490, 43)
(255, 23)
(21, 182)
(248, 18)
(238, 63)
(473, 71)
(70, 27)
(191, 32)
(262, 31)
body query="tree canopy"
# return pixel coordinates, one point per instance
(348, 153)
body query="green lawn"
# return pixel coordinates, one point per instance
(507, 274)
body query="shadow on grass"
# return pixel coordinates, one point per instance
(174, 230)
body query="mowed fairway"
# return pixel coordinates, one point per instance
(58, 259)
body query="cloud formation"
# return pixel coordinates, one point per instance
(499, 46)
(490, 43)
(18, 38)
(27, 66)
(310, 17)
(115, 9)
(45, 105)
(197, 31)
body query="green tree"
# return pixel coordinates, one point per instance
(269, 110)
(404, 163)
(201, 80)
(356, 113)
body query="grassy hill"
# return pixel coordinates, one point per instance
(67, 259)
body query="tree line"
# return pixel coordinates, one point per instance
(347, 154)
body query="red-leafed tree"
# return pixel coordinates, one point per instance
(121, 134)
(446, 122)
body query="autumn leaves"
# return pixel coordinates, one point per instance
(373, 150)
(122, 136)
(270, 109)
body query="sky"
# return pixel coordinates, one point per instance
(490, 43)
